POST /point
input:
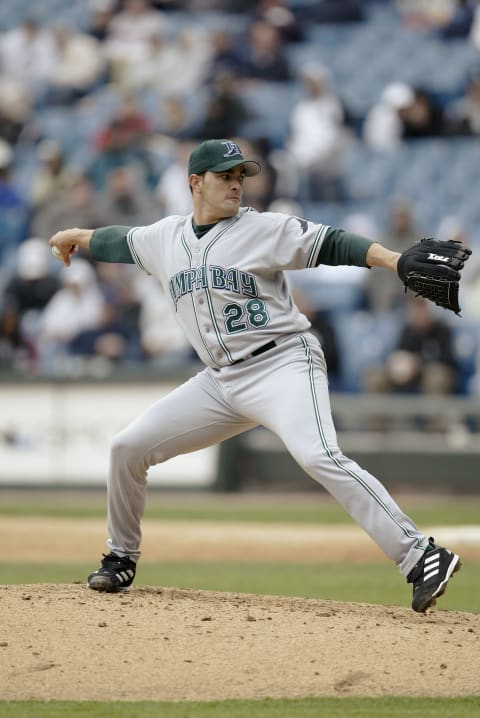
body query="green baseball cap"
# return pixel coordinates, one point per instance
(218, 156)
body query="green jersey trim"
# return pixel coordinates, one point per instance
(341, 247)
(109, 244)
(133, 250)
(316, 244)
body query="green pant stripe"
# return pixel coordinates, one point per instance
(329, 451)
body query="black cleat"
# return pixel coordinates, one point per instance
(431, 574)
(115, 574)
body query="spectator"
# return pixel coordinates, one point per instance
(318, 135)
(118, 286)
(153, 67)
(123, 142)
(452, 227)
(226, 111)
(110, 340)
(76, 307)
(324, 329)
(32, 284)
(278, 14)
(53, 176)
(459, 23)
(403, 113)
(101, 13)
(80, 66)
(162, 340)
(16, 352)
(129, 34)
(192, 52)
(130, 124)
(401, 232)
(75, 206)
(423, 117)
(230, 6)
(464, 114)
(383, 126)
(157, 68)
(14, 111)
(173, 121)
(226, 54)
(423, 360)
(266, 58)
(125, 200)
(475, 29)
(172, 193)
(424, 15)
(14, 210)
(259, 190)
(339, 11)
(28, 56)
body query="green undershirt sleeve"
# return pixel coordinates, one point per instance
(341, 247)
(109, 244)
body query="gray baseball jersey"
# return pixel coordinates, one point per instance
(229, 292)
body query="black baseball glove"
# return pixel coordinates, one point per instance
(431, 269)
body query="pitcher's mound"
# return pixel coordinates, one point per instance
(66, 642)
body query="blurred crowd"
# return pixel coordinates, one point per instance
(130, 170)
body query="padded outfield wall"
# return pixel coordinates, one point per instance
(58, 433)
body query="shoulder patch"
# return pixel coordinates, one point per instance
(303, 224)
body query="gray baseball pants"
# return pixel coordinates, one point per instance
(285, 390)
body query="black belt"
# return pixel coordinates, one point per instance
(256, 352)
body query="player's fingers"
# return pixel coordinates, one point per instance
(62, 246)
(445, 272)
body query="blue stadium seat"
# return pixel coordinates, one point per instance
(270, 104)
(364, 341)
(467, 343)
(13, 229)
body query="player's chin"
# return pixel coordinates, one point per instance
(232, 205)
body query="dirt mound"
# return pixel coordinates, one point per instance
(68, 642)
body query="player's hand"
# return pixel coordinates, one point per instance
(431, 269)
(63, 245)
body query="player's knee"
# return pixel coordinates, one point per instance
(125, 449)
(318, 461)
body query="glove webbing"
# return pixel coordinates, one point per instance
(441, 291)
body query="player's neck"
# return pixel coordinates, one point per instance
(201, 229)
(203, 218)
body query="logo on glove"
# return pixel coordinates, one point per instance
(437, 257)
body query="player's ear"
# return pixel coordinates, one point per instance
(195, 182)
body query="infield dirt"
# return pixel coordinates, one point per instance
(67, 642)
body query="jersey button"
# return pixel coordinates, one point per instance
(196, 249)
(207, 330)
(201, 301)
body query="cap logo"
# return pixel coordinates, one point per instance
(232, 149)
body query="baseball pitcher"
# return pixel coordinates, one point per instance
(222, 267)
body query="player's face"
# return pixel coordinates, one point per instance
(217, 194)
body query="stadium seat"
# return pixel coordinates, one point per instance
(364, 340)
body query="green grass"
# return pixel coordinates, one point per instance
(359, 582)
(315, 509)
(392, 707)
